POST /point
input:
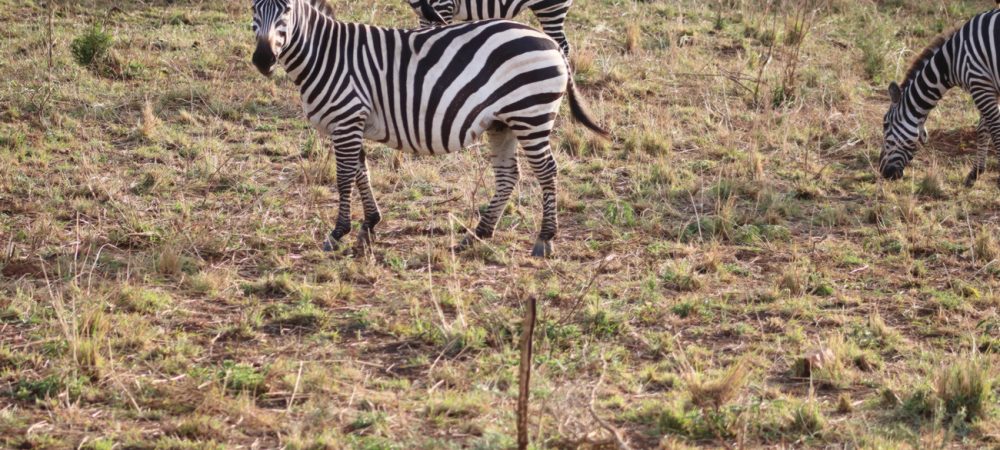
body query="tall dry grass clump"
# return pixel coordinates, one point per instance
(718, 392)
(150, 122)
(964, 389)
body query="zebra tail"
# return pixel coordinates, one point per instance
(580, 113)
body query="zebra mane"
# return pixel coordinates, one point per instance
(921, 60)
(323, 7)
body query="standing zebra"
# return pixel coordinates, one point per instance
(551, 13)
(968, 57)
(428, 91)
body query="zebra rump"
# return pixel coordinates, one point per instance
(551, 14)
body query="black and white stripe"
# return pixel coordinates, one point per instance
(968, 57)
(429, 91)
(551, 13)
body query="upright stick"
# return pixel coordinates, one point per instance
(525, 374)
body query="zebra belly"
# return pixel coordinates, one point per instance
(377, 130)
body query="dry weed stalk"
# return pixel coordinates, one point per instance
(524, 373)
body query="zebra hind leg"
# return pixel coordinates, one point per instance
(538, 152)
(983, 145)
(372, 214)
(505, 171)
(347, 148)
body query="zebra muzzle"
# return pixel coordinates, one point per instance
(263, 58)
(892, 172)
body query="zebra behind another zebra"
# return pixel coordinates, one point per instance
(428, 91)
(966, 57)
(551, 13)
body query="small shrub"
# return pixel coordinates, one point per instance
(873, 57)
(51, 386)
(684, 309)
(620, 214)
(241, 378)
(91, 46)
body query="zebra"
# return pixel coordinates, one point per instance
(429, 91)
(551, 13)
(966, 57)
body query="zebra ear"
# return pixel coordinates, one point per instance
(430, 13)
(895, 94)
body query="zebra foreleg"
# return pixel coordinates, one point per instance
(539, 154)
(504, 157)
(983, 145)
(347, 148)
(372, 214)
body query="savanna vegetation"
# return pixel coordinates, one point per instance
(730, 270)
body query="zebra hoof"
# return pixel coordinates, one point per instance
(971, 179)
(543, 249)
(364, 243)
(467, 242)
(331, 245)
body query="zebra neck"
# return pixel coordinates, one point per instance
(927, 86)
(312, 43)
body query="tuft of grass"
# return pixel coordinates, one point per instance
(633, 39)
(199, 427)
(272, 287)
(142, 300)
(827, 366)
(680, 277)
(985, 248)
(964, 389)
(794, 280)
(844, 404)
(805, 419)
(239, 378)
(149, 122)
(717, 392)
(931, 185)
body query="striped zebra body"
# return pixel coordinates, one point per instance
(551, 13)
(428, 91)
(968, 57)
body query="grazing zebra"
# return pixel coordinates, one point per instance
(428, 91)
(551, 13)
(968, 57)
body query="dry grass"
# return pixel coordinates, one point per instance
(162, 284)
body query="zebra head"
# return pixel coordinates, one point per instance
(902, 133)
(271, 22)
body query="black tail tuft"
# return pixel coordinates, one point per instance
(580, 112)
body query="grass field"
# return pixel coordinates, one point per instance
(730, 271)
